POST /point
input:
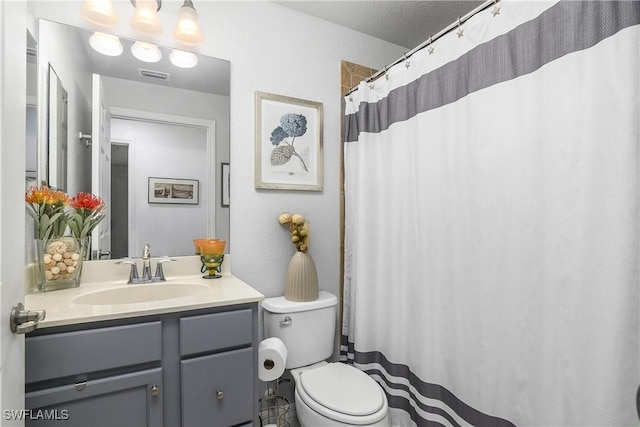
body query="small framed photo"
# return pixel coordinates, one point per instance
(225, 185)
(174, 191)
(288, 143)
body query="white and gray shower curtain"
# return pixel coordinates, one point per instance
(492, 225)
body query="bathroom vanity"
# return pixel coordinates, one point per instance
(189, 361)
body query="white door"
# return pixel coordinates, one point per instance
(101, 167)
(12, 211)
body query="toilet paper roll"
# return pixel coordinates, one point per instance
(272, 358)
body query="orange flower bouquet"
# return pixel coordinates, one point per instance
(47, 207)
(89, 211)
(59, 257)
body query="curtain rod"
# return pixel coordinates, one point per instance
(429, 41)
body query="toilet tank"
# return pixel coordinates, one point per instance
(307, 329)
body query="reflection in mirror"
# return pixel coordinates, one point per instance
(127, 121)
(31, 111)
(58, 100)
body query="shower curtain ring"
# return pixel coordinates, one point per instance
(460, 32)
(430, 49)
(370, 81)
(386, 76)
(406, 61)
(496, 9)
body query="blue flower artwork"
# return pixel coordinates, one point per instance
(283, 138)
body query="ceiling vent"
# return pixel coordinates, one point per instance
(158, 75)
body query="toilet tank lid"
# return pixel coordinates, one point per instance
(282, 305)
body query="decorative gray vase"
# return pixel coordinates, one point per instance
(302, 279)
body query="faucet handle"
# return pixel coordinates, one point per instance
(133, 274)
(146, 252)
(159, 276)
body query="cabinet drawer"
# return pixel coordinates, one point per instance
(91, 350)
(210, 332)
(217, 390)
(123, 400)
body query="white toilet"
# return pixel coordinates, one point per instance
(327, 394)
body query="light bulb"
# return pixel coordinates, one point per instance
(146, 52)
(187, 31)
(99, 12)
(145, 19)
(106, 44)
(183, 59)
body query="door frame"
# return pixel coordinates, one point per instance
(13, 101)
(130, 193)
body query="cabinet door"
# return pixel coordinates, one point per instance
(123, 400)
(217, 390)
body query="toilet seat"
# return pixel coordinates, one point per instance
(342, 393)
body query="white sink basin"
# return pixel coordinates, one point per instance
(134, 294)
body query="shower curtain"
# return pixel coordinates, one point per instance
(491, 221)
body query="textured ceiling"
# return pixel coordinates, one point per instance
(405, 23)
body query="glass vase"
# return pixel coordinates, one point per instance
(59, 262)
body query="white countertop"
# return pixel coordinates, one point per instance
(62, 310)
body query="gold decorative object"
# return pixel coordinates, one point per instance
(211, 253)
(302, 277)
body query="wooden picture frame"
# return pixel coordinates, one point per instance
(224, 184)
(288, 143)
(174, 191)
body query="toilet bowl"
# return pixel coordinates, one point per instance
(336, 394)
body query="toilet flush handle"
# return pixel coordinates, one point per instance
(286, 321)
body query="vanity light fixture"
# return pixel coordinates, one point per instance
(145, 19)
(188, 31)
(146, 52)
(99, 12)
(183, 59)
(106, 44)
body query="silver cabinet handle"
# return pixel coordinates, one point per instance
(219, 395)
(23, 321)
(155, 390)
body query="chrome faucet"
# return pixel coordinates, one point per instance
(134, 278)
(146, 263)
(133, 273)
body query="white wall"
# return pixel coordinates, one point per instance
(277, 50)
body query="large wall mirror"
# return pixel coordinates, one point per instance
(131, 131)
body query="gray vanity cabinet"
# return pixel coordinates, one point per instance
(192, 368)
(216, 368)
(122, 400)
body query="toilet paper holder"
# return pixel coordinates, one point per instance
(274, 408)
